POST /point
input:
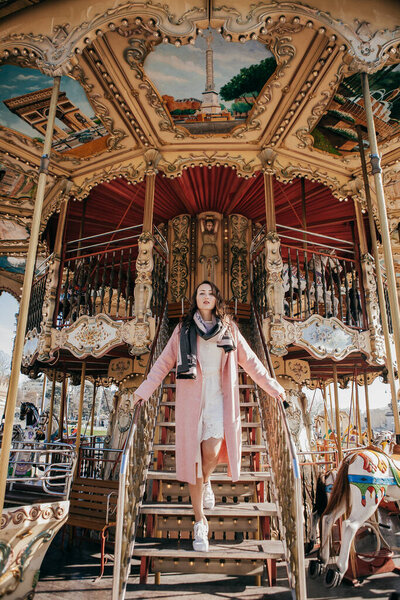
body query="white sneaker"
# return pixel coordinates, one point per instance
(200, 542)
(208, 496)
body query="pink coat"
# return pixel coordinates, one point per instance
(188, 401)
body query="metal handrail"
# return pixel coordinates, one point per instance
(321, 235)
(285, 472)
(123, 538)
(130, 237)
(91, 237)
(37, 451)
(43, 263)
(256, 239)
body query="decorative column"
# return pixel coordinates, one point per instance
(370, 288)
(52, 282)
(51, 406)
(80, 412)
(273, 262)
(337, 414)
(387, 250)
(26, 294)
(142, 324)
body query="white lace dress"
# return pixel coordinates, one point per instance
(212, 415)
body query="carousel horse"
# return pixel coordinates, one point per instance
(29, 413)
(364, 478)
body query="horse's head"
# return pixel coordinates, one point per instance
(23, 410)
(29, 412)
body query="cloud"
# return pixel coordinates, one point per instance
(178, 64)
(23, 77)
(158, 76)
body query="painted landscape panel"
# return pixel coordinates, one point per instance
(212, 85)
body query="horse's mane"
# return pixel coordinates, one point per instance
(341, 488)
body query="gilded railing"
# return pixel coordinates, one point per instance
(285, 472)
(132, 474)
(320, 278)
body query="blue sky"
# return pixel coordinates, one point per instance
(15, 81)
(181, 72)
(8, 308)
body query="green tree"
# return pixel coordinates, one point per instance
(241, 107)
(249, 81)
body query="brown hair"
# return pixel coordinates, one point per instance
(218, 311)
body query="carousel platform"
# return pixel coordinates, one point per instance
(71, 574)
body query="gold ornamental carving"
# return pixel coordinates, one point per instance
(180, 245)
(321, 337)
(143, 285)
(49, 303)
(239, 244)
(373, 311)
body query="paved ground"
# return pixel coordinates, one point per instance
(70, 574)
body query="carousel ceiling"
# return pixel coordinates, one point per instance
(118, 204)
(252, 87)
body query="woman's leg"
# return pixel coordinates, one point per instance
(209, 454)
(196, 495)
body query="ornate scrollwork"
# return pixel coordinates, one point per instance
(135, 55)
(180, 257)
(322, 337)
(239, 251)
(279, 42)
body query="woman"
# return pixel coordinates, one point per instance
(207, 349)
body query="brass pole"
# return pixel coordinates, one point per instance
(62, 409)
(51, 407)
(369, 428)
(149, 202)
(93, 409)
(43, 394)
(337, 414)
(387, 250)
(358, 410)
(303, 211)
(81, 398)
(326, 417)
(379, 283)
(26, 294)
(269, 202)
(362, 238)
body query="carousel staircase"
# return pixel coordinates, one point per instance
(243, 522)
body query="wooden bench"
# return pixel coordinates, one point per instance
(93, 505)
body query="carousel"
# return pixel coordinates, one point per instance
(147, 147)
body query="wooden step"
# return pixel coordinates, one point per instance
(239, 509)
(250, 476)
(245, 550)
(245, 449)
(243, 424)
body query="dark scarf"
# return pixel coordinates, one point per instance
(187, 357)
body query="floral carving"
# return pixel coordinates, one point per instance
(239, 251)
(180, 257)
